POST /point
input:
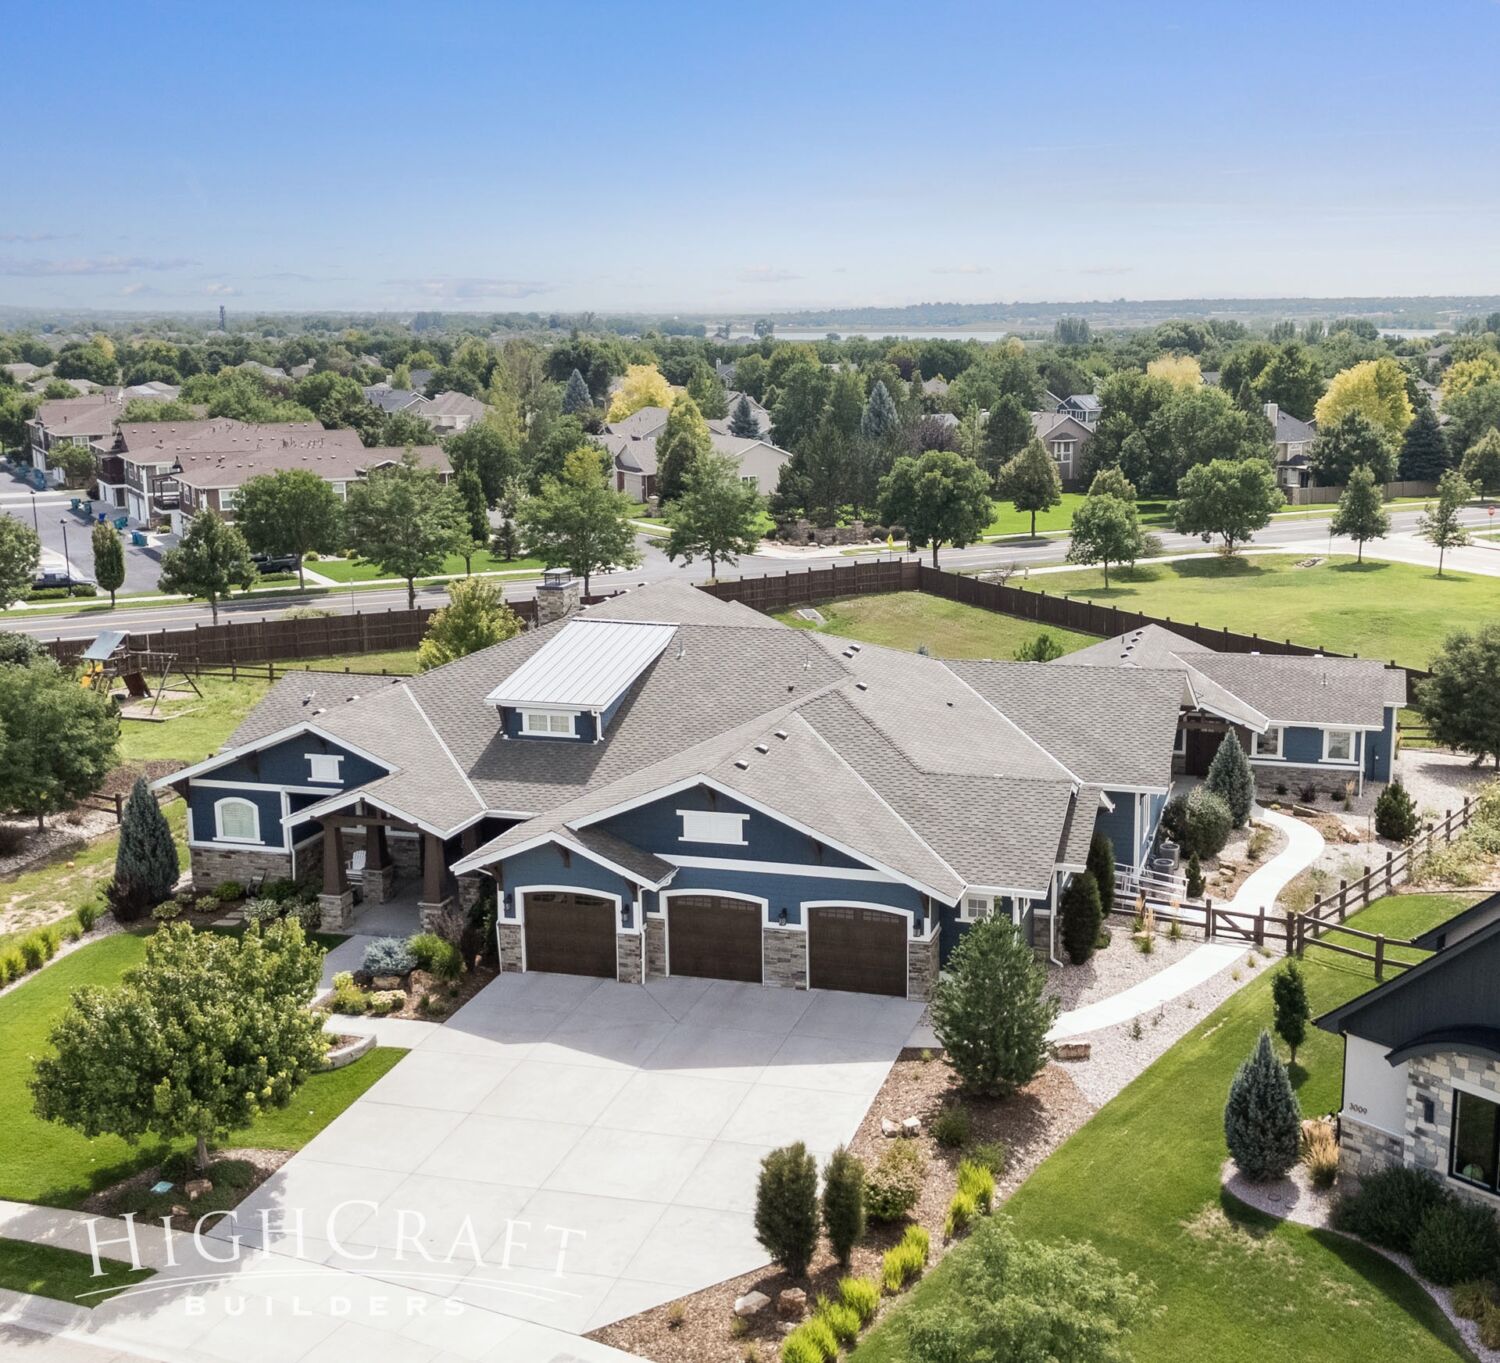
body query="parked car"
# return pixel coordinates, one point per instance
(274, 563)
(57, 577)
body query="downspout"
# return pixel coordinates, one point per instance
(1052, 922)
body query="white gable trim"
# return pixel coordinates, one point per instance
(478, 860)
(260, 745)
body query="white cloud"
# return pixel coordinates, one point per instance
(472, 288)
(88, 265)
(765, 274)
(221, 290)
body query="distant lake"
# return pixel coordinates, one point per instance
(1408, 333)
(896, 333)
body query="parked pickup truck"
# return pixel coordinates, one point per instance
(274, 563)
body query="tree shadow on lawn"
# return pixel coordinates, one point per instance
(1219, 567)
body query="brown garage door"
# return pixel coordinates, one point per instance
(713, 937)
(570, 934)
(859, 950)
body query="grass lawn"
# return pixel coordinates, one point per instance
(359, 570)
(1141, 1182)
(196, 726)
(57, 1166)
(397, 661)
(1379, 610)
(950, 629)
(63, 1274)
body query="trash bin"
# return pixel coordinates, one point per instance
(137, 538)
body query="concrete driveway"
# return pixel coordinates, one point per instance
(569, 1151)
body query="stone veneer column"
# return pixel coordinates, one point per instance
(336, 911)
(785, 957)
(656, 947)
(1428, 1143)
(470, 887)
(921, 967)
(628, 958)
(377, 882)
(511, 953)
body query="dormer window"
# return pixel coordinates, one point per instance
(324, 767)
(547, 724)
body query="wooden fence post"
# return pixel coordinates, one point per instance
(1294, 926)
(1389, 870)
(1208, 918)
(1343, 899)
(1379, 956)
(1260, 927)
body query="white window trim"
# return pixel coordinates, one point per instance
(1179, 742)
(220, 835)
(314, 759)
(1280, 753)
(688, 815)
(1351, 759)
(527, 716)
(967, 913)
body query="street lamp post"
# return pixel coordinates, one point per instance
(67, 558)
(35, 520)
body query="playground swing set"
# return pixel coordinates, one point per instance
(108, 662)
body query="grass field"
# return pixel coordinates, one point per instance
(359, 570)
(1009, 521)
(1379, 610)
(63, 1274)
(1141, 1182)
(54, 1165)
(949, 629)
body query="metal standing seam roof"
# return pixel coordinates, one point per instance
(590, 664)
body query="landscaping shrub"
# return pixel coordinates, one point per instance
(348, 997)
(1390, 1206)
(88, 915)
(10, 969)
(1104, 938)
(1230, 778)
(843, 1202)
(1308, 794)
(263, 910)
(843, 1320)
(1320, 1152)
(227, 890)
(786, 1207)
(1470, 1299)
(797, 1347)
(1289, 1006)
(280, 890)
(1262, 1122)
(903, 1262)
(821, 1336)
(383, 1001)
(307, 912)
(1198, 822)
(991, 1010)
(991, 1155)
(168, 911)
(861, 1296)
(962, 1212)
(12, 839)
(952, 1126)
(389, 956)
(1194, 877)
(146, 858)
(436, 955)
(1101, 865)
(893, 1186)
(1457, 1240)
(1489, 1326)
(977, 1182)
(31, 952)
(206, 903)
(1082, 917)
(1396, 813)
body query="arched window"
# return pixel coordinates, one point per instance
(236, 820)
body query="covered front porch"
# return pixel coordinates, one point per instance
(384, 875)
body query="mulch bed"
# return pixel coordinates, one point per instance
(1031, 1124)
(130, 1194)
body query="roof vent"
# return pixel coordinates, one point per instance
(742, 764)
(780, 733)
(861, 686)
(762, 747)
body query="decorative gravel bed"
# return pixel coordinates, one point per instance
(1031, 1124)
(1114, 968)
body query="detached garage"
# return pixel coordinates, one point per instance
(570, 934)
(855, 949)
(714, 937)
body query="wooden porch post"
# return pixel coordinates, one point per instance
(433, 870)
(377, 851)
(333, 859)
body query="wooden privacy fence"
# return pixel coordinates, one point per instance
(282, 639)
(808, 587)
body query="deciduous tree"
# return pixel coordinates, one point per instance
(716, 515)
(58, 742)
(1006, 433)
(291, 511)
(405, 520)
(1439, 524)
(1481, 464)
(1361, 513)
(476, 516)
(684, 440)
(1353, 441)
(1460, 700)
(475, 617)
(1377, 388)
(938, 496)
(1229, 498)
(1030, 482)
(200, 1039)
(20, 552)
(109, 559)
(1106, 530)
(1183, 371)
(641, 386)
(707, 390)
(578, 520)
(489, 448)
(1292, 380)
(211, 559)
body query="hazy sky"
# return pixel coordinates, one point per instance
(735, 157)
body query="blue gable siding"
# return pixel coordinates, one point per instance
(1380, 749)
(1118, 824)
(657, 827)
(790, 892)
(952, 930)
(546, 866)
(286, 764)
(1302, 746)
(583, 728)
(201, 802)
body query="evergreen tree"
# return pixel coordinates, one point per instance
(1030, 482)
(684, 440)
(742, 420)
(211, 558)
(786, 1207)
(991, 1012)
(1230, 778)
(1081, 917)
(145, 859)
(880, 418)
(109, 559)
(716, 515)
(1289, 1006)
(1396, 813)
(1194, 877)
(577, 399)
(1361, 513)
(843, 1203)
(1101, 865)
(476, 512)
(1262, 1121)
(1006, 433)
(1424, 452)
